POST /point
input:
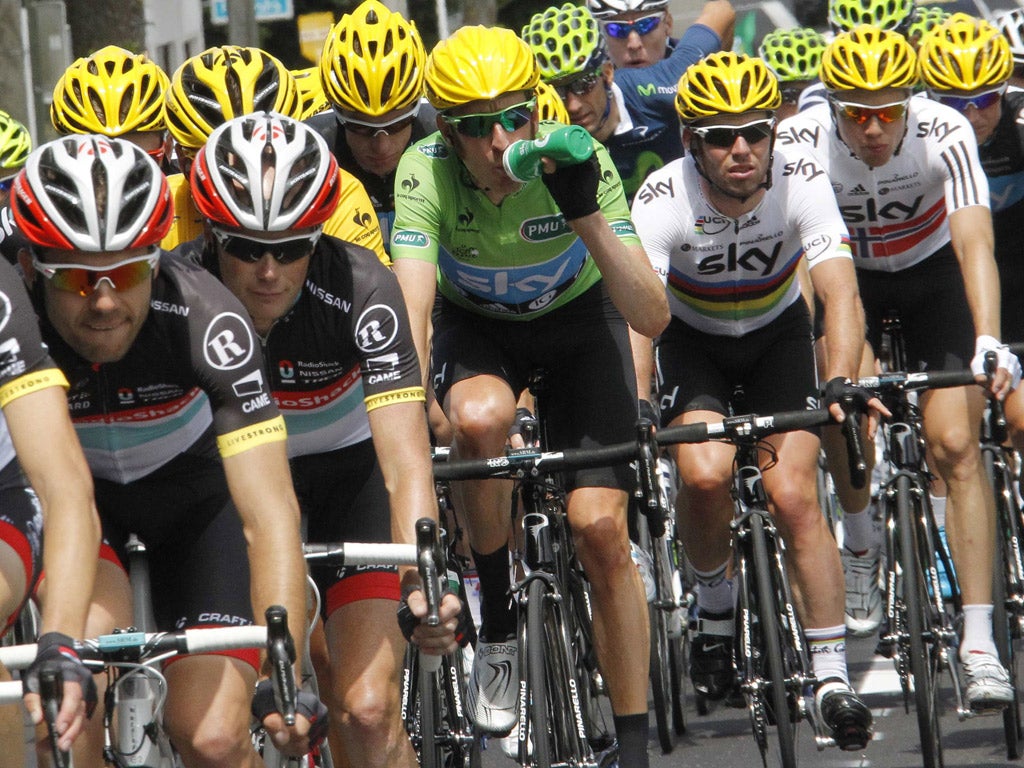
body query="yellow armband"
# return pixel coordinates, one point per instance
(241, 440)
(31, 382)
(407, 395)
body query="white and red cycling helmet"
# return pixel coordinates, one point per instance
(91, 193)
(265, 172)
(609, 9)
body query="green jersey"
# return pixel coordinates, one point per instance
(517, 260)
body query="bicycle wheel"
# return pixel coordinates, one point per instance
(919, 640)
(428, 706)
(772, 645)
(661, 679)
(1004, 584)
(556, 729)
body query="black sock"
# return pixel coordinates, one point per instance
(632, 732)
(497, 615)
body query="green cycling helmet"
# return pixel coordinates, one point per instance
(793, 54)
(566, 41)
(924, 20)
(15, 144)
(844, 15)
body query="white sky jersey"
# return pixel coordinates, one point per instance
(897, 213)
(731, 276)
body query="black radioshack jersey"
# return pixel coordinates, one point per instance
(195, 364)
(25, 363)
(11, 239)
(344, 348)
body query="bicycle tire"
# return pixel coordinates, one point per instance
(661, 679)
(1003, 619)
(678, 658)
(771, 637)
(428, 705)
(915, 603)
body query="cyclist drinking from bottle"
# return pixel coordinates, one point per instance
(543, 273)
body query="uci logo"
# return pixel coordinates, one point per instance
(228, 343)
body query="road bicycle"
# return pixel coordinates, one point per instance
(1002, 466)
(653, 532)
(919, 627)
(433, 687)
(135, 736)
(771, 657)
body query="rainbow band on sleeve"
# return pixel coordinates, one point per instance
(241, 440)
(31, 382)
(407, 395)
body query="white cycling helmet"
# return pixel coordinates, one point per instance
(265, 172)
(91, 193)
(1011, 24)
(609, 9)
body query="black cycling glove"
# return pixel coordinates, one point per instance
(57, 651)
(465, 630)
(574, 188)
(649, 411)
(306, 704)
(847, 394)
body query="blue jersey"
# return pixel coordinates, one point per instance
(648, 133)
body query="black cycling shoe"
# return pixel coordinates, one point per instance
(711, 667)
(845, 716)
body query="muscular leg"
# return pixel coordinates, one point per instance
(367, 649)
(208, 711)
(811, 554)
(621, 632)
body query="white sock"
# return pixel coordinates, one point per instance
(828, 652)
(860, 533)
(977, 630)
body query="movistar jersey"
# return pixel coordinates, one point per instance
(517, 260)
(647, 136)
(730, 276)
(195, 353)
(353, 220)
(342, 349)
(25, 363)
(897, 214)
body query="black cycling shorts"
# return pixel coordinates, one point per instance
(21, 528)
(938, 330)
(343, 498)
(774, 365)
(590, 397)
(197, 553)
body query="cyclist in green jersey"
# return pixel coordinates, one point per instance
(544, 273)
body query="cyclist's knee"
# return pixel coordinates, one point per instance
(482, 423)
(213, 740)
(368, 713)
(705, 482)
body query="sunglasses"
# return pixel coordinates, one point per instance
(252, 249)
(480, 126)
(373, 130)
(791, 95)
(979, 101)
(5, 184)
(861, 113)
(84, 280)
(725, 136)
(642, 26)
(579, 86)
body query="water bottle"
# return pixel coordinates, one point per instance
(568, 145)
(134, 715)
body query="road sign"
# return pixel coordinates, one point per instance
(266, 10)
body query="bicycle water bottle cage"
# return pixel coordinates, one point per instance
(537, 530)
(904, 451)
(749, 480)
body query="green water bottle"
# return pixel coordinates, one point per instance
(568, 145)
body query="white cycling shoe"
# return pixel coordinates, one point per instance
(492, 694)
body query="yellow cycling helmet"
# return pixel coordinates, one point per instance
(311, 92)
(219, 84)
(479, 63)
(372, 61)
(112, 92)
(963, 54)
(726, 82)
(550, 105)
(868, 58)
(15, 144)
